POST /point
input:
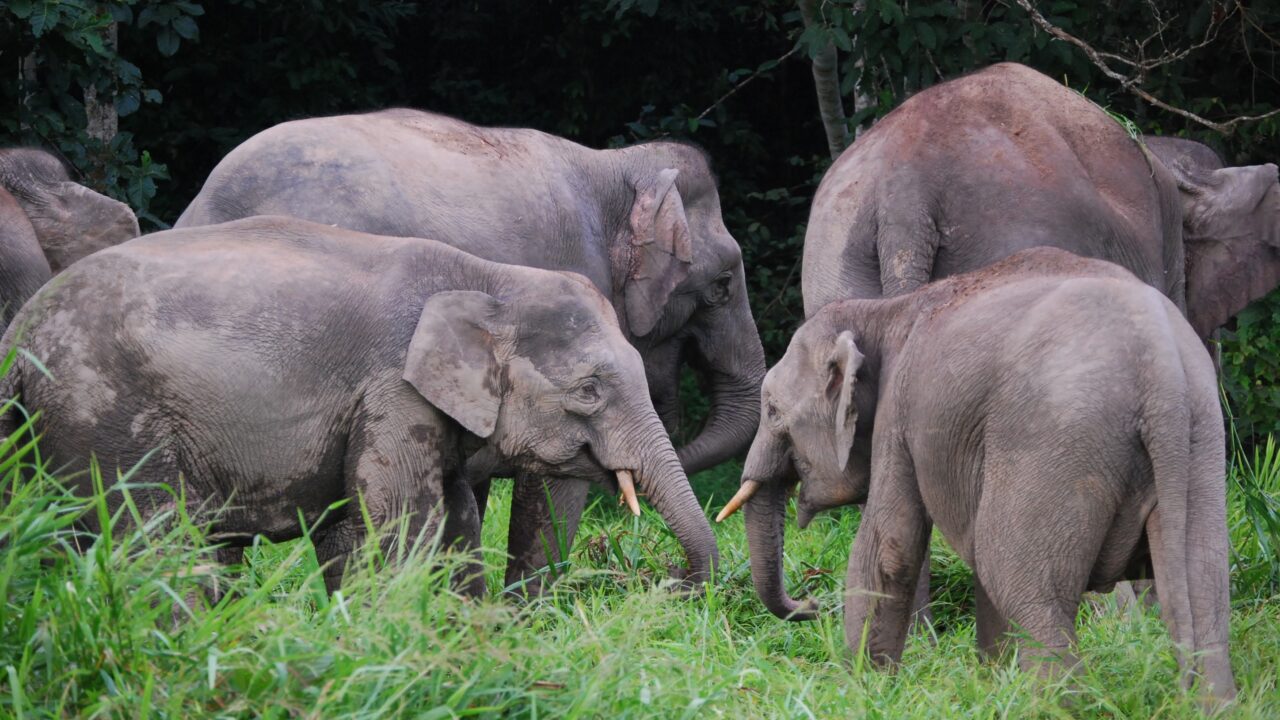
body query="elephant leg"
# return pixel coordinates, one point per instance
(539, 530)
(662, 370)
(1034, 551)
(888, 550)
(333, 547)
(480, 497)
(921, 612)
(462, 522)
(394, 468)
(992, 625)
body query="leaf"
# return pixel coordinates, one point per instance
(186, 27)
(927, 36)
(127, 103)
(21, 9)
(167, 42)
(906, 38)
(890, 12)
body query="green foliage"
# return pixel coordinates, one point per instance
(65, 50)
(127, 625)
(1250, 354)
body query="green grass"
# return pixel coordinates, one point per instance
(93, 633)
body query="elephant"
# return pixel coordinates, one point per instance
(642, 223)
(970, 171)
(975, 169)
(47, 222)
(1055, 417)
(281, 366)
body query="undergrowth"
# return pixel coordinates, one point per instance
(123, 626)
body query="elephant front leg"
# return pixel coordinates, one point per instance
(462, 524)
(884, 564)
(545, 512)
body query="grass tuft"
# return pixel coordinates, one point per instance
(124, 627)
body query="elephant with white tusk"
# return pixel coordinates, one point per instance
(1057, 419)
(279, 366)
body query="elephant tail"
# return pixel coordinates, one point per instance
(1181, 428)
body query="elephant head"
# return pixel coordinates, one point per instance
(1230, 227)
(553, 387)
(70, 220)
(683, 291)
(809, 431)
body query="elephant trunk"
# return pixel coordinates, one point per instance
(662, 479)
(734, 361)
(765, 511)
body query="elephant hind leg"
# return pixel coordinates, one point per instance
(1034, 550)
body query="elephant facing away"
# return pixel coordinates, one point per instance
(279, 366)
(642, 223)
(975, 169)
(1057, 419)
(48, 222)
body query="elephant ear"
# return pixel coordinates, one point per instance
(842, 373)
(453, 360)
(1229, 203)
(658, 251)
(72, 221)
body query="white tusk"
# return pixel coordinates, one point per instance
(628, 489)
(744, 494)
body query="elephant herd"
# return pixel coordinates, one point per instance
(1006, 300)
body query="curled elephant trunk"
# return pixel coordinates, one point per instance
(734, 362)
(659, 475)
(764, 497)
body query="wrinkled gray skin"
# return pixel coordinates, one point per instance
(971, 171)
(1056, 419)
(280, 366)
(643, 224)
(48, 222)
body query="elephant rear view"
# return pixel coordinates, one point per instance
(48, 222)
(1058, 421)
(973, 170)
(277, 366)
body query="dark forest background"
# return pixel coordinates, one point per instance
(190, 80)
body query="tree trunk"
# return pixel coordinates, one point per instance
(101, 111)
(826, 81)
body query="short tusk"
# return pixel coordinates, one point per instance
(628, 489)
(744, 494)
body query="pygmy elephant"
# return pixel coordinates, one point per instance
(280, 366)
(1057, 419)
(642, 223)
(973, 170)
(48, 222)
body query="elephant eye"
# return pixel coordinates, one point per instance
(720, 289)
(588, 392)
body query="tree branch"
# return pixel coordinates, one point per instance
(1142, 66)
